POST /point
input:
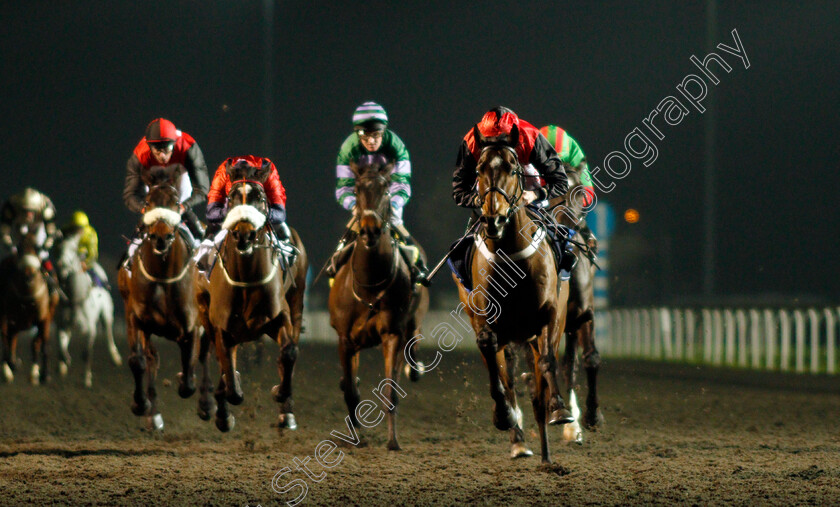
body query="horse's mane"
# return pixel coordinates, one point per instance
(241, 171)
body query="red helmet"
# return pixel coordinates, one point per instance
(161, 130)
(498, 121)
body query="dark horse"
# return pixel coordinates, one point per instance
(25, 302)
(158, 295)
(251, 293)
(580, 322)
(373, 301)
(517, 298)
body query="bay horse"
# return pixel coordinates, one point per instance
(83, 311)
(372, 299)
(580, 321)
(250, 293)
(25, 302)
(517, 298)
(156, 286)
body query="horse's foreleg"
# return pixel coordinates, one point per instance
(285, 368)
(63, 351)
(227, 364)
(571, 431)
(393, 355)
(137, 364)
(40, 373)
(188, 344)
(539, 398)
(518, 449)
(8, 353)
(206, 405)
(88, 353)
(106, 318)
(349, 382)
(504, 416)
(154, 420)
(224, 419)
(558, 414)
(591, 363)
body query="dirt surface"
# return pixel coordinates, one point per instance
(674, 434)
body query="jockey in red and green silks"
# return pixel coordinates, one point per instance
(570, 153)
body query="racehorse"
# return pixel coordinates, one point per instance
(25, 302)
(580, 321)
(251, 293)
(82, 309)
(156, 287)
(517, 297)
(372, 299)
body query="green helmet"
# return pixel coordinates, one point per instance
(370, 116)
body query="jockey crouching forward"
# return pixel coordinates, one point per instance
(88, 247)
(217, 207)
(570, 152)
(502, 126)
(164, 145)
(370, 142)
(31, 212)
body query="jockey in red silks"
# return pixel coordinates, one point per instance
(217, 205)
(532, 148)
(163, 145)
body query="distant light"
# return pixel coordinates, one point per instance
(631, 216)
(225, 108)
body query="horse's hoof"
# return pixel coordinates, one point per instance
(88, 379)
(234, 397)
(142, 408)
(154, 423)
(572, 433)
(561, 416)
(393, 445)
(593, 419)
(287, 421)
(62, 369)
(7, 374)
(520, 450)
(206, 408)
(504, 417)
(36, 375)
(225, 424)
(185, 389)
(116, 358)
(414, 373)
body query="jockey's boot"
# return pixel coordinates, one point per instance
(284, 237)
(193, 224)
(413, 257)
(339, 257)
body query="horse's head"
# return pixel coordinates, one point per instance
(373, 200)
(500, 186)
(247, 213)
(74, 282)
(162, 213)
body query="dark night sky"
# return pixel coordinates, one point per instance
(81, 80)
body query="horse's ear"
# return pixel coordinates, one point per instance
(261, 173)
(513, 139)
(479, 138)
(160, 175)
(388, 168)
(354, 167)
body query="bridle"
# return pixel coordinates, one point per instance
(517, 172)
(168, 245)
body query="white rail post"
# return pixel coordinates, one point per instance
(799, 321)
(741, 318)
(647, 327)
(708, 336)
(627, 334)
(830, 336)
(729, 336)
(784, 324)
(770, 335)
(656, 346)
(667, 335)
(679, 334)
(755, 341)
(690, 334)
(717, 323)
(814, 324)
(637, 335)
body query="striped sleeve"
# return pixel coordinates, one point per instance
(345, 180)
(400, 188)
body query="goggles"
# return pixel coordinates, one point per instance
(162, 146)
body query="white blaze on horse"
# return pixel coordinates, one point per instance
(84, 310)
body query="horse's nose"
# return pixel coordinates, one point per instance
(500, 221)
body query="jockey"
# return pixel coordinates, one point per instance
(570, 153)
(532, 148)
(88, 247)
(217, 205)
(164, 145)
(31, 211)
(372, 141)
